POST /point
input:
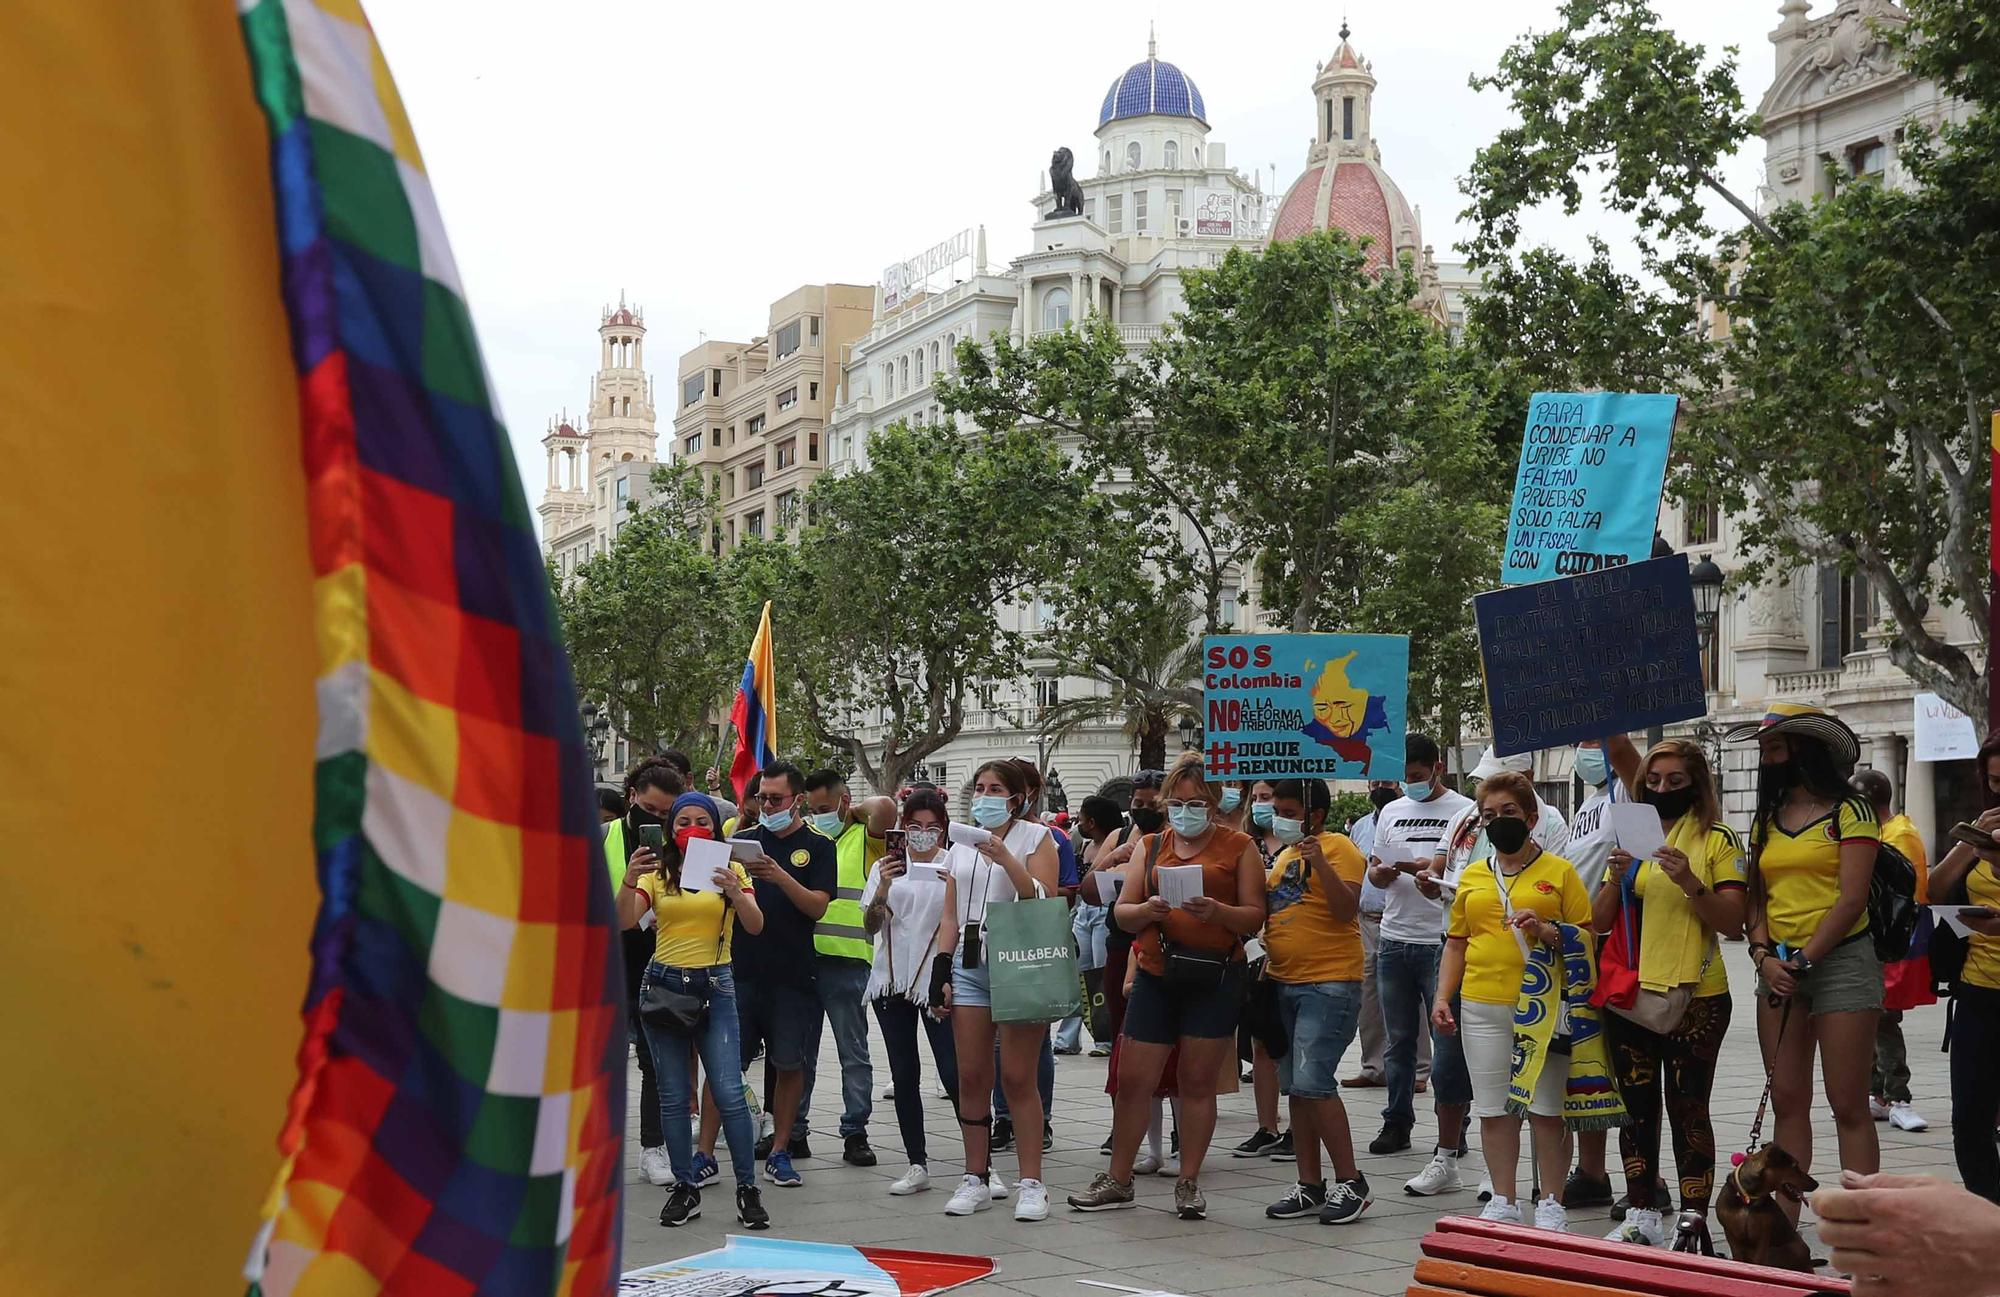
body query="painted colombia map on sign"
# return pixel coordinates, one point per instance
(1310, 706)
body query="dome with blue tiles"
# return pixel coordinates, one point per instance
(1152, 88)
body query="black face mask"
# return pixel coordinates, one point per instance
(1781, 775)
(1381, 797)
(639, 815)
(1148, 819)
(1671, 803)
(1507, 833)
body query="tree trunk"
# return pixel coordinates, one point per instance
(1153, 747)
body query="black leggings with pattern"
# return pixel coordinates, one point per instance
(1685, 1060)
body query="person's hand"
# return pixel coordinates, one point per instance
(996, 851)
(1909, 1235)
(1530, 925)
(1986, 927)
(710, 776)
(1428, 886)
(1779, 976)
(1989, 820)
(1311, 852)
(764, 869)
(643, 862)
(941, 1006)
(1441, 1018)
(891, 867)
(1674, 864)
(1156, 908)
(1622, 866)
(1204, 908)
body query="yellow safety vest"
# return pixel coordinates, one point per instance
(615, 853)
(839, 934)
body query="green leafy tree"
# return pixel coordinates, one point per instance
(1846, 414)
(895, 608)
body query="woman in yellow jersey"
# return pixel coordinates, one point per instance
(1682, 903)
(1975, 1021)
(692, 930)
(1518, 895)
(1813, 841)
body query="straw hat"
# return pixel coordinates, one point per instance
(1806, 721)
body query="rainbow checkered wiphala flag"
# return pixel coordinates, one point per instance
(458, 1115)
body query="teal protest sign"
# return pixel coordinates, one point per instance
(1588, 492)
(1305, 706)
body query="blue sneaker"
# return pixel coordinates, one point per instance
(778, 1170)
(705, 1169)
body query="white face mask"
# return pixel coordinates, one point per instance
(1286, 830)
(921, 842)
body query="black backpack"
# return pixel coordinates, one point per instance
(1892, 904)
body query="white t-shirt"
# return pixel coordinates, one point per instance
(981, 882)
(1591, 839)
(1407, 914)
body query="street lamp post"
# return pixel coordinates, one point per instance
(1190, 730)
(1706, 578)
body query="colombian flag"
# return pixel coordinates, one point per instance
(755, 714)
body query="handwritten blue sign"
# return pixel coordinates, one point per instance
(1603, 653)
(1588, 492)
(1305, 706)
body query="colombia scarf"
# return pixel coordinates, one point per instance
(1550, 992)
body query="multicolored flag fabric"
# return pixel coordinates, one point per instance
(775, 1265)
(458, 1115)
(755, 715)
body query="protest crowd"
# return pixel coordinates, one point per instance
(1555, 982)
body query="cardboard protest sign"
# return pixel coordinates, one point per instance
(1587, 495)
(1942, 732)
(1604, 653)
(744, 1265)
(1305, 706)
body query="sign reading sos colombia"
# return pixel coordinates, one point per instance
(1305, 706)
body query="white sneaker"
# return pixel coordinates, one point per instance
(1032, 1202)
(996, 1187)
(1441, 1176)
(1642, 1227)
(1501, 1210)
(653, 1164)
(1147, 1163)
(1550, 1214)
(914, 1180)
(1877, 1109)
(1170, 1165)
(1904, 1117)
(1486, 1188)
(969, 1197)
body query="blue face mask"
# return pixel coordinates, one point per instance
(1260, 814)
(1418, 792)
(828, 823)
(780, 822)
(1590, 766)
(990, 812)
(1188, 821)
(1287, 831)
(1230, 800)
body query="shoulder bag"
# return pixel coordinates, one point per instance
(1187, 968)
(678, 1010)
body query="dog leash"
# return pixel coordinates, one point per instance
(1764, 1100)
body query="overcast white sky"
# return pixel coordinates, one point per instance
(709, 158)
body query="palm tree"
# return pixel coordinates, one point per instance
(1150, 675)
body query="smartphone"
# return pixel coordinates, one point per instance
(1976, 912)
(1974, 836)
(893, 840)
(654, 836)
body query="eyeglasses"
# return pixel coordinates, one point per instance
(1149, 779)
(772, 801)
(1199, 803)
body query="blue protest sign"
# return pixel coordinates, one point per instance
(1587, 494)
(1305, 706)
(1603, 653)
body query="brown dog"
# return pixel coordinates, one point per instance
(1758, 1230)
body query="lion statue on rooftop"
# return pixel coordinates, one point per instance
(1062, 180)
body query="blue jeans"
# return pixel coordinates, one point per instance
(1406, 982)
(1320, 1020)
(841, 983)
(1045, 1080)
(721, 1059)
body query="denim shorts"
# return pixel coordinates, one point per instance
(1320, 1019)
(778, 1017)
(1159, 1014)
(971, 987)
(1847, 980)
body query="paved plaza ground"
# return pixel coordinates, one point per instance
(1236, 1250)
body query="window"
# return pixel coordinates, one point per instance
(624, 489)
(1846, 615)
(729, 486)
(812, 323)
(715, 382)
(1171, 159)
(1048, 692)
(755, 427)
(1139, 211)
(812, 447)
(1228, 610)
(920, 366)
(788, 339)
(753, 475)
(906, 374)
(732, 436)
(1173, 211)
(611, 403)
(1114, 214)
(628, 406)
(812, 391)
(1132, 156)
(1055, 308)
(1347, 118)
(788, 508)
(690, 390)
(951, 350)
(693, 444)
(918, 418)
(789, 397)
(1703, 519)
(888, 380)
(754, 525)
(934, 360)
(788, 453)
(1107, 162)
(1869, 161)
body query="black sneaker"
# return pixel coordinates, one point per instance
(1258, 1145)
(764, 1148)
(1174, 1141)
(1048, 1136)
(1104, 1149)
(1582, 1190)
(1003, 1135)
(1346, 1201)
(1303, 1200)
(750, 1213)
(1393, 1139)
(857, 1152)
(1282, 1150)
(683, 1205)
(801, 1148)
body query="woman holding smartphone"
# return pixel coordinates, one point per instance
(902, 908)
(692, 932)
(1969, 875)
(1016, 861)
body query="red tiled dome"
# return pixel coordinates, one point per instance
(1353, 195)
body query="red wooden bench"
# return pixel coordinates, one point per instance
(1464, 1257)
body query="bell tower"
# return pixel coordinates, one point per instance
(621, 419)
(1345, 90)
(566, 498)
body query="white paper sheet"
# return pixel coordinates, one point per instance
(925, 871)
(1396, 853)
(1637, 827)
(747, 850)
(705, 866)
(1179, 884)
(968, 835)
(1105, 884)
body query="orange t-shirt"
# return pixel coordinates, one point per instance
(1220, 858)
